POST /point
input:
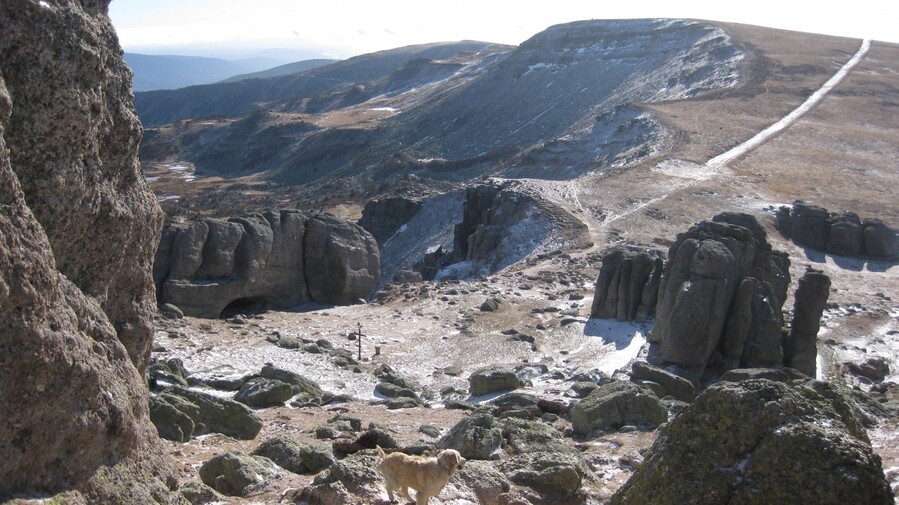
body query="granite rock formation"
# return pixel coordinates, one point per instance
(800, 348)
(383, 218)
(504, 222)
(722, 291)
(78, 225)
(739, 441)
(627, 287)
(281, 258)
(845, 234)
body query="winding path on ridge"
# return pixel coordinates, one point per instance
(684, 173)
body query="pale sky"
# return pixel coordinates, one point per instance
(343, 28)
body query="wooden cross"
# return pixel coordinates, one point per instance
(359, 339)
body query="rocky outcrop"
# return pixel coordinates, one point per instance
(627, 287)
(845, 234)
(475, 437)
(504, 222)
(383, 218)
(294, 456)
(261, 392)
(78, 225)
(354, 479)
(492, 379)
(181, 413)
(237, 474)
(800, 348)
(282, 259)
(722, 291)
(740, 441)
(614, 404)
(668, 383)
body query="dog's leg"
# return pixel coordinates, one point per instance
(405, 492)
(421, 498)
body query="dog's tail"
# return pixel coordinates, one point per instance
(381, 452)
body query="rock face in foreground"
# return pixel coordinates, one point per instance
(77, 228)
(722, 291)
(740, 442)
(281, 258)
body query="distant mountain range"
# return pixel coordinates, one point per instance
(154, 72)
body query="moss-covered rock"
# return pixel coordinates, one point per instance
(475, 437)
(294, 456)
(262, 392)
(236, 473)
(491, 379)
(171, 423)
(546, 472)
(355, 479)
(760, 441)
(211, 414)
(617, 403)
(299, 383)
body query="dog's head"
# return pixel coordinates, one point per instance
(450, 460)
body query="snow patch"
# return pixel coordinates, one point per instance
(684, 169)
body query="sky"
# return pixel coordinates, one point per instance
(344, 28)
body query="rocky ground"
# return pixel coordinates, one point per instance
(842, 155)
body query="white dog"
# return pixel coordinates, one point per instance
(427, 476)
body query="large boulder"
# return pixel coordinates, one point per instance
(880, 239)
(171, 423)
(627, 287)
(281, 258)
(679, 387)
(845, 236)
(342, 260)
(261, 392)
(742, 442)
(354, 479)
(615, 404)
(810, 225)
(294, 456)
(236, 473)
(500, 221)
(477, 436)
(210, 414)
(78, 224)
(800, 348)
(492, 379)
(301, 385)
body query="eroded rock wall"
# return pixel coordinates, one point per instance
(280, 258)
(78, 225)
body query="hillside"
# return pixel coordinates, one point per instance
(235, 99)
(286, 69)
